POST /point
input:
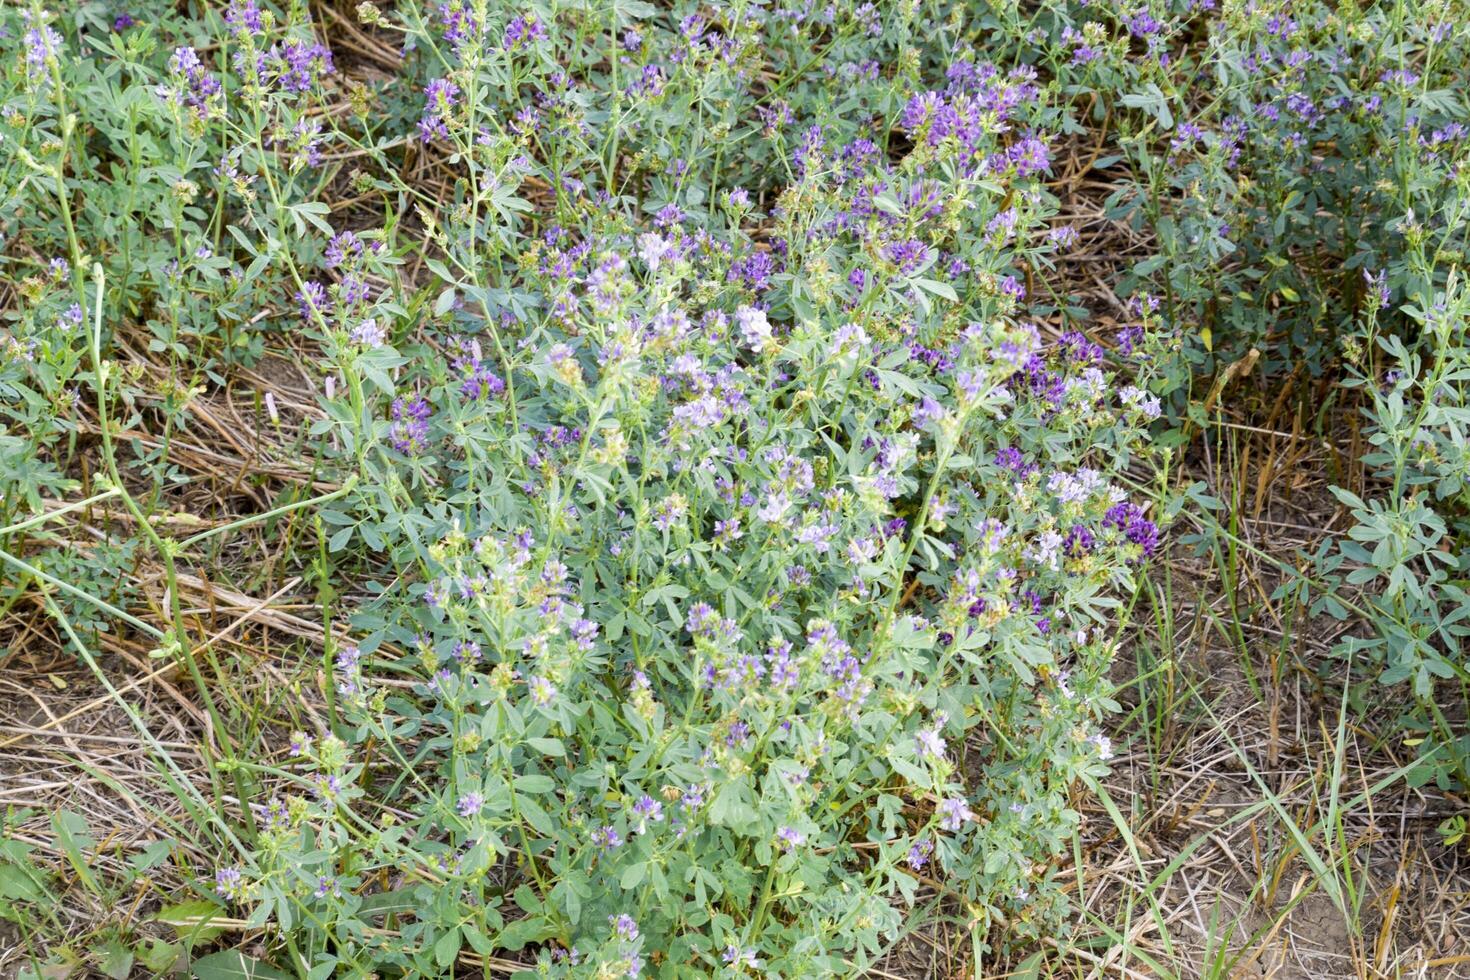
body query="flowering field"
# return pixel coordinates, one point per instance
(748, 488)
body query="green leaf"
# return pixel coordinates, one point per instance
(538, 818)
(548, 746)
(190, 920)
(396, 902)
(447, 947)
(115, 959)
(886, 202)
(1028, 969)
(231, 964)
(532, 929)
(941, 289)
(19, 883)
(534, 783)
(731, 807)
(72, 838)
(160, 956)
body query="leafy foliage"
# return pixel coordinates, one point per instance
(741, 514)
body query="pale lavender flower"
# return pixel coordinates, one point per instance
(790, 838)
(42, 46)
(1140, 401)
(369, 333)
(953, 812)
(741, 957)
(931, 743)
(543, 692)
(71, 318)
(1378, 284)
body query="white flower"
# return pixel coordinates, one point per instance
(755, 329)
(652, 249)
(1103, 744)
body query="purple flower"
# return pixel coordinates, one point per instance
(1128, 340)
(909, 256)
(784, 672)
(1011, 458)
(929, 412)
(410, 432)
(1078, 542)
(229, 883)
(479, 381)
(460, 26)
(522, 31)
(299, 65)
(921, 110)
(1063, 236)
(650, 82)
(470, 804)
(313, 303)
(343, 247)
(440, 97)
(1080, 350)
(646, 811)
(754, 270)
(1139, 530)
(738, 735)
(1141, 401)
(584, 633)
(624, 927)
(1030, 156)
(919, 853)
(243, 18)
(195, 87)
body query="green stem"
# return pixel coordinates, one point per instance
(51, 514)
(166, 550)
